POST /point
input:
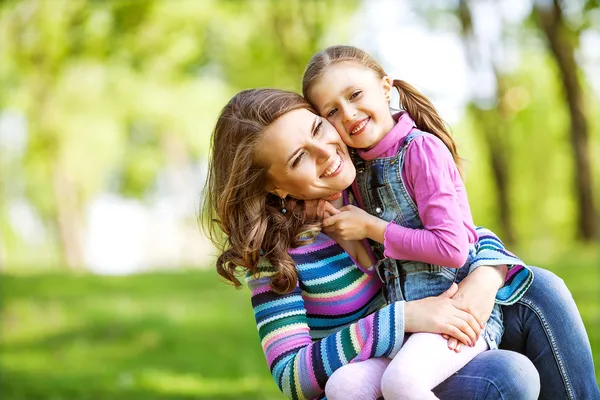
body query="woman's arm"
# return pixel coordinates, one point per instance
(301, 366)
(504, 279)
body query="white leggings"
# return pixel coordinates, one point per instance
(423, 362)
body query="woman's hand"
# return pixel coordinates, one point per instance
(353, 223)
(440, 315)
(476, 295)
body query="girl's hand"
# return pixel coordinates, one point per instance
(353, 223)
(440, 315)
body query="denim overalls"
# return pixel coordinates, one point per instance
(384, 195)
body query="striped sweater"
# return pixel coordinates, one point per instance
(334, 316)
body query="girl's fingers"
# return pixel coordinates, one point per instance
(329, 209)
(329, 221)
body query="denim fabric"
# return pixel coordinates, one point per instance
(492, 375)
(545, 325)
(384, 194)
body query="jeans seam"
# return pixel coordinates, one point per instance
(555, 352)
(489, 381)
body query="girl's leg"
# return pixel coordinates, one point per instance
(545, 325)
(493, 375)
(423, 363)
(360, 381)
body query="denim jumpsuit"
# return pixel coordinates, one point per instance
(381, 187)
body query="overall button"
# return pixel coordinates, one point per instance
(378, 210)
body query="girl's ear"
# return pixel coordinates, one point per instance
(387, 84)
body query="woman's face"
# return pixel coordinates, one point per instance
(305, 157)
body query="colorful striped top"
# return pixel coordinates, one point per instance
(334, 316)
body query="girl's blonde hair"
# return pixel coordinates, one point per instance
(420, 109)
(236, 201)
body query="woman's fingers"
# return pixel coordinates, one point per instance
(452, 342)
(451, 291)
(453, 331)
(469, 319)
(465, 328)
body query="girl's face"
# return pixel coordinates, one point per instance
(305, 157)
(356, 101)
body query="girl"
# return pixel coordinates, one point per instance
(418, 214)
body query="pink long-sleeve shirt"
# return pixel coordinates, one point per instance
(434, 184)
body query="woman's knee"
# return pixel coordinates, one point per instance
(511, 375)
(547, 284)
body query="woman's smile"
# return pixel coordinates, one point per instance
(335, 166)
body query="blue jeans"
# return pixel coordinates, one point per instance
(545, 325)
(493, 375)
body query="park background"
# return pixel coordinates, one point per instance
(107, 284)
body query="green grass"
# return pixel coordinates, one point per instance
(163, 336)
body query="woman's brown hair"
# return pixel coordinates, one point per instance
(236, 202)
(412, 101)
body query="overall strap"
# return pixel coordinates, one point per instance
(415, 133)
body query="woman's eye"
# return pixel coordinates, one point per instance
(331, 113)
(297, 160)
(318, 128)
(355, 94)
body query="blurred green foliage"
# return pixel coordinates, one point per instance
(115, 91)
(163, 336)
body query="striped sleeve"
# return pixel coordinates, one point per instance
(491, 252)
(301, 366)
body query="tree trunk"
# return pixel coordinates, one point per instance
(491, 127)
(552, 23)
(68, 218)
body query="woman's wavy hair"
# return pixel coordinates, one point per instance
(412, 101)
(236, 202)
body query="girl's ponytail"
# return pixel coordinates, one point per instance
(425, 116)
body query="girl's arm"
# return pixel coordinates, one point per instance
(301, 366)
(435, 181)
(440, 198)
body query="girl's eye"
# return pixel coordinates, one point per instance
(297, 160)
(355, 94)
(331, 113)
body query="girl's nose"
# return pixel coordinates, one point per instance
(348, 113)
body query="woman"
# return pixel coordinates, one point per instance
(268, 145)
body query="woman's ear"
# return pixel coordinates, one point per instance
(388, 84)
(277, 192)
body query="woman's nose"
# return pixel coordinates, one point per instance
(324, 151)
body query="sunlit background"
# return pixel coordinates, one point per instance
(108, 286)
